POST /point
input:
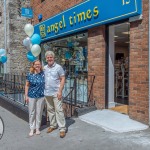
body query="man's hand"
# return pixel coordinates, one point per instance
(59, 95)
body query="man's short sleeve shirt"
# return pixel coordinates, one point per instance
(52, 79)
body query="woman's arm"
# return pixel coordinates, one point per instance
(26, 91)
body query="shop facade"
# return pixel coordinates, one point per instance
(92, 38)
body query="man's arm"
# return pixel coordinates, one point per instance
(62, 83)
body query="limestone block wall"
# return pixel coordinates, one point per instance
(16, 53)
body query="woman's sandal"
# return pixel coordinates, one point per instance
(31, 133)
(37, 132)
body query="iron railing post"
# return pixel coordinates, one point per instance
(14, 86)
(75, 91)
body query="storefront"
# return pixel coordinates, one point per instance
(95, 39)
(71, 54)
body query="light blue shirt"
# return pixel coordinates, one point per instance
(52, 79)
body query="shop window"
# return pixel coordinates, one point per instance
(71, 53)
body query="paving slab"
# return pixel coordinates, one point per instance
(113, 121)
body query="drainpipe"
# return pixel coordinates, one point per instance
(149, 61)
(5, 34)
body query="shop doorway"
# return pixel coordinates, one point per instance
(118, 78)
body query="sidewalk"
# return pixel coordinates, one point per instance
(80, 135)
(113, 121)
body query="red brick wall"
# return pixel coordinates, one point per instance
(96, 43)
(49, 8)
(96, 63)
(138, 84)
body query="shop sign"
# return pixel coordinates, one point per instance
(27, 12)
(87, 14)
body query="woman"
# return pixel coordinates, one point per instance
(34, 96)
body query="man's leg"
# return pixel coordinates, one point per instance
(60, 116)
(51, 113)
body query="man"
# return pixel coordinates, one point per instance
(54, 83)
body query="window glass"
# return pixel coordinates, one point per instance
(71, 53)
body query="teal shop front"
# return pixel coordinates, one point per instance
(86, 15)
(68, 34)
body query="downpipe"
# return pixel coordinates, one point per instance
(149, 61)
(5, 35)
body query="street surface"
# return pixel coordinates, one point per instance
(80, 136)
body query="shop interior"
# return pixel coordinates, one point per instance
(121, 66)
(121, 63)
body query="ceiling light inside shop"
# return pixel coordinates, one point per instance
(126, 32)
(115, 36)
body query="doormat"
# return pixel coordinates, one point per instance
(121, 109)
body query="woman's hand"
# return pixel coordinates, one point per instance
(26, 99)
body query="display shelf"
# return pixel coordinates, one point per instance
(121, 83)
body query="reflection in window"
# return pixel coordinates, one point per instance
(71, 53)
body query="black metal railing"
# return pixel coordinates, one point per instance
(12, 87)
(78, 90)
(80, 93)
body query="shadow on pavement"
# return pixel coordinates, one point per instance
(69, 122)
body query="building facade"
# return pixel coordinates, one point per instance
(115, 51)
(12, 35)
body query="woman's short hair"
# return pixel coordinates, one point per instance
(32, 69)
(49, 53)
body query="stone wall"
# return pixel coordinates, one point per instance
(1, 26)
(16, 53)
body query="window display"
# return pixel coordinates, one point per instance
(72, 54)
